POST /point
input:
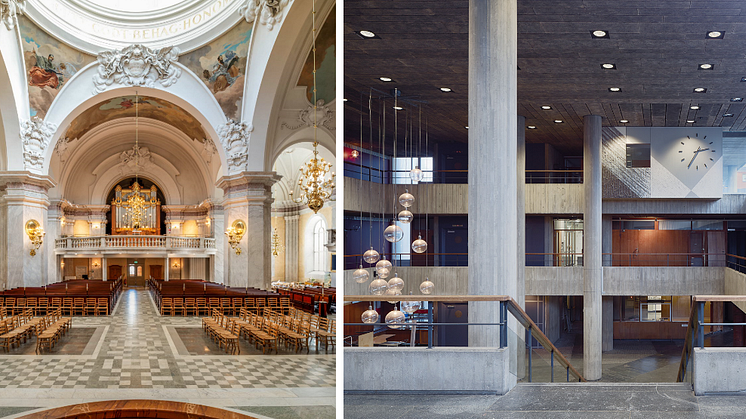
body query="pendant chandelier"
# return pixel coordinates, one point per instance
(276, 247)
(316, 188)
(136, 206)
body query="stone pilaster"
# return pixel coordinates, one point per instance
(218, 261)
(248, 197)
(23, 196)
(53, 228)
(292, 248)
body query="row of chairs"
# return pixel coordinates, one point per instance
(72, 306)
(222, 330)
(50, 329)
(323, 330)
(197, 306)
(17, 329)
(271, 331)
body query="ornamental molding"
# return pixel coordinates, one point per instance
(62, 149)
(9, 11)
(324, 117)
(35, 137)
(269, 12)
(137, 65)
(234, 137)
(136, 158)
(208, 150)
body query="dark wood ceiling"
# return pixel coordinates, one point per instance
(657, 46)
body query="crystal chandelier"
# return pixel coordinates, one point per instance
(276, 246)
(136, 206)
(315, 187)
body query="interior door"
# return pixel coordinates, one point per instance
(697, 249)
(156, 271)
(115, 271)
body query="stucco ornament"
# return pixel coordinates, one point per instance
(137, 156)
(324, 117)
(269, 12)
(9, 11)
(35, 137)
(234, 137)
(137, 65)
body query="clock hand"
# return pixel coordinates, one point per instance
(696, 153)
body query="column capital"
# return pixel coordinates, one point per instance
(240, 181)
(26, 180)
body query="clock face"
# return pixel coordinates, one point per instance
(696, 153)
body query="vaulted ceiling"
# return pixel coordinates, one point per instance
(657, 47)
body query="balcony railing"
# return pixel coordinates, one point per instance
(135, 242)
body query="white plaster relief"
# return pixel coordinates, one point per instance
(35, 137)
(324, 117)
(234, 137)
(62, 149)
(137, 65)
(269, 11)
(137, 156)
(9, 11)
(208, 150)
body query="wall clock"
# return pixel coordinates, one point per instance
(700, 153)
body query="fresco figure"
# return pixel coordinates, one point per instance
(45, 73)
(223, 75)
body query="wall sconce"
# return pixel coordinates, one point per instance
(35, 234)
(62, 264)
(96, 264)
(176, 265)
(235, 233)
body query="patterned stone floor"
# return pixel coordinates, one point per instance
(136, 350)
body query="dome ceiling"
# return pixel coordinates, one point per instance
(124, 107)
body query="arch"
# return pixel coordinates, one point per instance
(308, 247)
(189, 92)
(281, 189)
(325, 138)
(14, 103)
(111, 177)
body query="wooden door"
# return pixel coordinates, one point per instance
(115, 271)
(697, 247)
(156, 271)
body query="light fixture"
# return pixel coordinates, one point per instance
(598, 34)
(406, 199)
(360, 275)
(736, 99)
(385, 79)
(410, 307)
(531, 127)
(405, 216)
(608, 66)
(419, 245)
(35, 234)
(706, 66)
(689, 121)
(615, 89)
(314, 185)
(175, 265)
(354, 154)
(727, 115)
(546, 107)
(378, 286)
(369, 315)
(624, 121)
(396, 283)
(235, 233)
(557, 121)
(371, 255)
(398, 108)
(62, 264)
(743, 79)
(367, 35)
(427, 287)
(445, 89)
(136, 205)
(276, 247)
(467, 127)
(344, 99)
(95, 264)
(694, 107)
(392, 292)
(416, 174)
(383, 267)
(393, 233)
(700, 90)
(395, 319)
(715, 35)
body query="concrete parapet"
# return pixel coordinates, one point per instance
(719, 370)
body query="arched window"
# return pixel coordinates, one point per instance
(319, 250)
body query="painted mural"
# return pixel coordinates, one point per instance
(325, 63)
(49, 65)
(221, 64)
(124, 107)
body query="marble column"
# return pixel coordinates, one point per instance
(104, 269)
(521, 210)
(592, 248)
(23, 196)
(292, 249)
(493, 204)
(217, 224)
(248, 197)
(167, 269)
(53, 230)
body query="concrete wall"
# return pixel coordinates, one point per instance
(687, 280)
(735, 284)
(447, 369)
(447, 280)
(553, 198)
(719, 370)
(554, 280)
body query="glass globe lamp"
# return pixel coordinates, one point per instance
(410, 306)
(378, 286)
(396, 283)
(383, 268)
(383, 273)
(361, 275)
(416, 174)
(370, 315)
(390, 291)
(393, 233)
(406, 199)
(395, 319)
(371, 256)
(427, 287)
(405, 216)
(419, 245)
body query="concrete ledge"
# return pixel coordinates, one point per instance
(719, 370)
(437, 370)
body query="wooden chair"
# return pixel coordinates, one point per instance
(285, 305)
(167, 306)
(90, 306)
(32, 303)
(327, 337)
(225, 306)
(190, 306)
(67, 306)
(43, 307)
(237, 305)
(213, 304)
(10, 303)
(202, 306)
(78, 306)
(178, 306)
(44, 339)
(250, 304)
(20, 304)
(102, 306)
(55, 303)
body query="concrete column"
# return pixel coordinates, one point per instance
(248, 197)
(23, 196)
(592, 242)
(608, 323)
(606, 246)
(292, 249)
(492, 163)
(521, 209)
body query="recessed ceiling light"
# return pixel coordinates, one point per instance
(599, 34)
(689, 121)
(467, 127)
(385, 79)
(706, 66)
(557, 121)
(743, 79)
(344, 100)
(367, 34)
(445, 89)
(700, 90)
(715, 35)
(694, 107)
(624, 121)
(546, 107)
(615, 89)
(727, 115)
(608, 66)
(736, 99)
(398, 108)
(531, 127)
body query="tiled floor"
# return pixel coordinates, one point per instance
(135, 349)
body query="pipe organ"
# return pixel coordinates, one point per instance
(136, 211)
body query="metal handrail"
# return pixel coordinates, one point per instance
(507, 305)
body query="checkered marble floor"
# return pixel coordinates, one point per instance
(136, 352)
